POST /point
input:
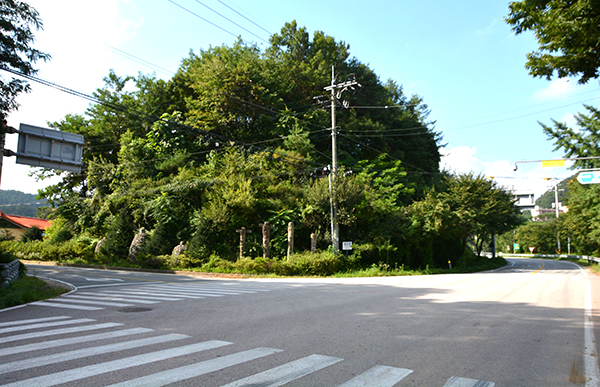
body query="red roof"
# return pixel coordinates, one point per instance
(26, 222)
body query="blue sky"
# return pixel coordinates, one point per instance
(459, 56)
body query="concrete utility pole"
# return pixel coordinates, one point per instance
(556, 205)
(266, 233)
(336, 93)
(290, 249)
(242, 231)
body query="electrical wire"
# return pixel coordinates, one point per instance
(140, 60)
(206, 20)
(268, 32)
(231, 21)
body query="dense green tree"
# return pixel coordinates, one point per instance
(581, 142)
(235, 139)
(582, 222)
(471, 208)
(568, 34)
(541, 235)
(549, 197)
(17, 19)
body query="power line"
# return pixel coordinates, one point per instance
(231, 21)
(139, 60)
(206, 20)
(268, 32)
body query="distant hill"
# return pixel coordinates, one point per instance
(19, 203)
(547, 199)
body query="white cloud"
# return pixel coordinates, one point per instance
(558, 88)
(530, 177)
(458, 159)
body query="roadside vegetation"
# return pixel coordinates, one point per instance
(241, 136)
(25, 289)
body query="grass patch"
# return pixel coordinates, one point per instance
(27, 289)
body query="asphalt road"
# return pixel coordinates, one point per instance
(528, 324)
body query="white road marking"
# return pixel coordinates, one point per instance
(142, 295)
(86, 352)
(103, 279)
(115, 365)
(590, 353)
(197, 369)
(101, 296)
(72, 340)
(62, 331)
(378, 376)
(31, 321)
(44, 325)
(91, 302)
(465, 382)
(281, 375)
(65, 306)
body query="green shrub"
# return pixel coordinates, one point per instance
(32, 234)
(61, 236)
(45, 251)
(6, 235)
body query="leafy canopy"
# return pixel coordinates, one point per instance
(568, 33)
(16, 54)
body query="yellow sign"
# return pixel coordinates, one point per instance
(553, 163)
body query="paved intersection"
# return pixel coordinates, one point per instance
(77, 352)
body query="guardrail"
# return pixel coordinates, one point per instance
(8, 272)
(589, 258)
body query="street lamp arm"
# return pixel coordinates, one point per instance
(565, 159)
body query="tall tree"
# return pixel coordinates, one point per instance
(568, 34)
(17, 19)
(583, 142)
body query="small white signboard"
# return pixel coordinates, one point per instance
(346, 245)
(592, 177)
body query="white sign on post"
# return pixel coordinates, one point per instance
(592, 177)
(346, 245)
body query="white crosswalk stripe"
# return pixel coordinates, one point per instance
(31, 321)
(281, 375)
(466, 382)
(120, 349)
(54, 332)
(147, 293)
(71, 340)
(86, 352)
(197, 369)
(79, 296)
(54, 304)
(378, 376)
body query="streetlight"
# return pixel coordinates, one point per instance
(553, 162)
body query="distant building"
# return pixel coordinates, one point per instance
(16, 224)
(525, 201)
(540, 212)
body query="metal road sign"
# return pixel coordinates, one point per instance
(589, 177)
(49, 148)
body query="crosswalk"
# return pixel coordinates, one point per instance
(147, 294)
(61, 350)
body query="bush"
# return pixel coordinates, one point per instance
(32, 234)
(61, 236)
(6, 235)
(46, 251)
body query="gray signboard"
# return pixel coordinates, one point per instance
(49, 148)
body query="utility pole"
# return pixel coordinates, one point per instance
(556, 205)
(336, 93)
